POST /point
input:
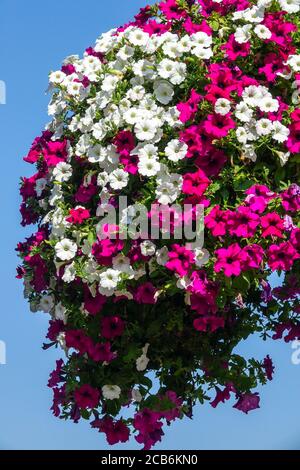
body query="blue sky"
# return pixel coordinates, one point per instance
(35, 37)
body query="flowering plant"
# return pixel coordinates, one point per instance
(193, 104)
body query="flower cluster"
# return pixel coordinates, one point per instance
(194, 103)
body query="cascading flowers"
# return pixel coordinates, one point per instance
(194, 102)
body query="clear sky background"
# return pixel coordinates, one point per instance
(35, 37)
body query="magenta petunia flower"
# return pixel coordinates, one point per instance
(233, 49)
(180, 260)
(171, 10)
(247, 402)
(189, 108)
(216, 221)
(86, 396)
(112, 327)
(195, 183)
(145, 294)
(115, 431)
(218, 126)
(78, 215)
(268, 367)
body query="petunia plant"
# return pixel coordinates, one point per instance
(192, 108)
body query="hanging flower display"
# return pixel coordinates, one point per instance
(184, 122)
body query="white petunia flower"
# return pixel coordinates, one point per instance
(146, 129)
(111, 392)
(56, 78)
(142, 363)
(99, 130)
(148, 166)
(148, 248)
(162, 256)
(269, 105)
(60, 313)
(264, 127)
(284, 157)
(252, 95)
(96, 154)
(69, 273)
(110, 82)
(280, 132)
(176, 150)
(46, 303)
(163, 92)
(65, 249)
(144, 68)
(102, 179)
(294, 62)
(222, 106)
(62, 172)
(243, 112)
(132, 115)
(118, 179)
(254, 14)
(185, 43)
(173, 49)
(125, 52)
(138, 37)
(202, 53)
(109, 279)
(201, 257)
(75, 88)
(262, 31)
(56, 195)
(122, 263)
(136, 93)
(174, 71)
(136, 395)
(201, 39)
(166, 193)
(40, 185)
(243, 34)
(290, 6)
(148, 151)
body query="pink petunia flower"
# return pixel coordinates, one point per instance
(272, 225)
(255, 255)
(291, 198)
(282, 257)
(230, 260)
(216, 221)
(243, 222)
